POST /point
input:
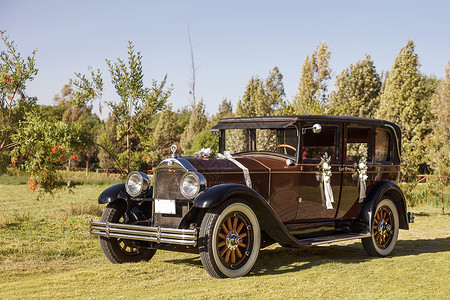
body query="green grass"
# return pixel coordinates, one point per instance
(47, 252)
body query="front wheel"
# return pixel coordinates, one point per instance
(384, 231)
(229, 239)
(121, 250)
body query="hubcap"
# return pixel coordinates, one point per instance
(233, 240)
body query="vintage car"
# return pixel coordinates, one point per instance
(298, 181)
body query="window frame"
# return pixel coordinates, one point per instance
(370, 143)
(337, 142)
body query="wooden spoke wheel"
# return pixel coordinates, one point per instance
(384, 231)
(234, 240)
(229, 239)
(121, 250)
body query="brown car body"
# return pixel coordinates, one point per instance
(328, 179)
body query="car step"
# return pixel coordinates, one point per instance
(333, 238)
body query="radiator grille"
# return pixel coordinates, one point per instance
(167, 184)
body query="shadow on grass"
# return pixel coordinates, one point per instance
(282, 260)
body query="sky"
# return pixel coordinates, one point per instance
(232, 40)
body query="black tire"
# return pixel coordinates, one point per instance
(119, 250)
(229, 239)
(384, 231)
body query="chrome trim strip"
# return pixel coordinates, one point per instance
(186, 237)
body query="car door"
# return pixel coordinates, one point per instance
(356, 169)
(319, 156)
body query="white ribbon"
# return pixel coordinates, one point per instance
(362, 177)
(227, 155)
(326, 180)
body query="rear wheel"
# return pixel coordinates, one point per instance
(384, 231)
(229, 239)
(121, 250)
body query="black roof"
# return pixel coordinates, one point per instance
(286, 121)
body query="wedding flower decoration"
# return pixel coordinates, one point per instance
(361, 175)
(325, 169)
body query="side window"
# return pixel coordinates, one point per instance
(315, 145)
(382, 146)
(357, 143)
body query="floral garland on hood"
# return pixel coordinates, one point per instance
(325, 168)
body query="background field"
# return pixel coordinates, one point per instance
(47, 252)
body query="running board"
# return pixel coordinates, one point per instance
(333, 238)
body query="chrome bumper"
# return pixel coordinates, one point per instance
(186, 237)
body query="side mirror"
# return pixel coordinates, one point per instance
(289, 162)
(316, 128)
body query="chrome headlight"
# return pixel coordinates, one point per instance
(137, 183)
(191, 184)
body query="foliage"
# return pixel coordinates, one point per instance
(404, 103)
(438, 142)
(42, 147)
(357, 90)
(262, 97)
(197, 124)
(164, 136)
(205, 139)
(225, 110)
(311, 97)
(137, 103)
(15, 73)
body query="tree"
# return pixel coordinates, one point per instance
(311, 97)
(197, 124)
(246, 105)
(437, 143)
(262, 98)
(137, 103)
(41, 148)
(404, 103)
(165, 135)
(225, 109)
(15, 73)
(90, 124)
(357, 90)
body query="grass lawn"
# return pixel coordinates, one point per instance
(47, 252)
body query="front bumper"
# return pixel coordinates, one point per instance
(175, 236)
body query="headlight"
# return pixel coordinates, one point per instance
(191, 184)
(137, 183)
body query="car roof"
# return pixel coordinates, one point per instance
(267, 122)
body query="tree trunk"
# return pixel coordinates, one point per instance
(87, 167)
(68, 165)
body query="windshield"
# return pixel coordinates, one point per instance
(283, 141)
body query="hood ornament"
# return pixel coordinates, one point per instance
(174, 148)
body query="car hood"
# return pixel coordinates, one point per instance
(256, 163)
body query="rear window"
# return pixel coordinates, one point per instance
(382, 146)
(358, 143)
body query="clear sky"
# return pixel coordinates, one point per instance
(232, 40)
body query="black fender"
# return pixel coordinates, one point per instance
(117, 192)
(113, 193)
(391, 190)
(270, 223)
